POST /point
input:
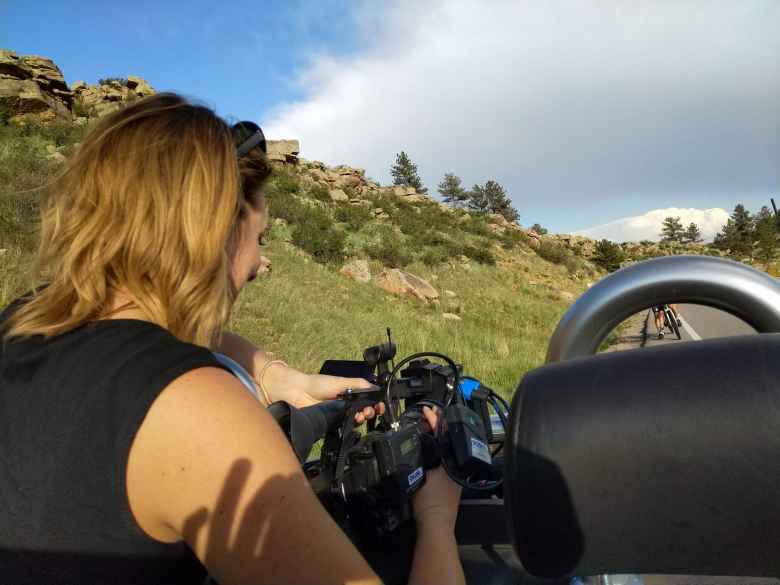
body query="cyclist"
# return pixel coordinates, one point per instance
(658, 313)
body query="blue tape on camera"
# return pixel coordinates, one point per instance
(467, 386)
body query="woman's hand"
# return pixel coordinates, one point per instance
(435, 506)
(281, 382)
(298, 389)
(437, 501)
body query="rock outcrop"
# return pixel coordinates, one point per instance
(285, 151)
(33, 87)
(104, 98)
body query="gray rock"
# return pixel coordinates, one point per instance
(402, 283)
(357, 270)
(338, 195)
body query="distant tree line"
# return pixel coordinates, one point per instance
(746, 235)
(672, 230)
(743, 235)
(488, 198)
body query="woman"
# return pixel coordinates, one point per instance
(123, 443)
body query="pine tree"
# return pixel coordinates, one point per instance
(451, 190)
(491, 198)
(737, 234)
(477, 200)
(608, 255)
(692, 235)
(537, 227)
(404, 172)
(672, 230)
(499, 201)
(765, 235)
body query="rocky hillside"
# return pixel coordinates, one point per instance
(348, 257)
(335, 214)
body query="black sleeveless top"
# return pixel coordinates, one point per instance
(70, 407)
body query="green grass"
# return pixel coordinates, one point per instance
(306, 313)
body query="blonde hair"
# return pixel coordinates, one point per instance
(147, 205)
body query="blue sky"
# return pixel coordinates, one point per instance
(586, 112)
(238, 57)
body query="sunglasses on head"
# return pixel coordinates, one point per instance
(251, 136)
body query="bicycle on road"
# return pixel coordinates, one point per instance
(667, 316)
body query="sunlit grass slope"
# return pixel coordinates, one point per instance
(307, 312)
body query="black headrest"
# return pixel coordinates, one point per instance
(663, 460)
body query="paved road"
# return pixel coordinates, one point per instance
(700, 322)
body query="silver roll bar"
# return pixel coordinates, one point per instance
(744, 292)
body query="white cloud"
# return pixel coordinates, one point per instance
(561, 102)
(648, 225)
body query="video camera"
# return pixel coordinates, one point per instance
(366, 479)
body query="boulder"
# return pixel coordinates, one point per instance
(350, 181)
(265, 265)
(534, 239)
(285, 151)
(338, 195)
(497, 218)
(402, 283)
(57, 157)
(33, 87)
(139, 86)
(357, 270)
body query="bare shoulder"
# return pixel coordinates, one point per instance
(201, 424)
(210, 466)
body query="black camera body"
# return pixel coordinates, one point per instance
(383, 470)
(367, 479)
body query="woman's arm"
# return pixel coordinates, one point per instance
(210, 466)
(281, 382)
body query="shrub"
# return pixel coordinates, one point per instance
(432, 238)
(24, 169)
(573, 264)
(290, 209)
(284, 182)
(558, 254)
(108, 80)
(355, 216)
(5, 115)
(316, 233)
(319, 193)
(476, 225)
(552, 252)
(389, 250)
(608, 255)
(435, 256)
(512, 238)
(481, 255)
(80, 109)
